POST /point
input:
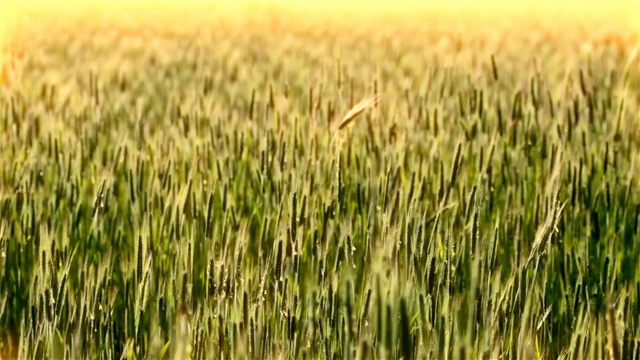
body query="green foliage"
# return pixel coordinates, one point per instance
(182, 199)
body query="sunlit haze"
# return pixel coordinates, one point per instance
(596, 20)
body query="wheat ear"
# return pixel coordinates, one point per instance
(358, 109)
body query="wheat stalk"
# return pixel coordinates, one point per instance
(352, 114)
(612, 343)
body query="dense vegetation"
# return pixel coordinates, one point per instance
(167, 192)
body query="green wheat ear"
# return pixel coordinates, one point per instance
(352, 114)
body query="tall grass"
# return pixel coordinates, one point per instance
(174, 195)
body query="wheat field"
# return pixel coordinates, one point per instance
(271, 180)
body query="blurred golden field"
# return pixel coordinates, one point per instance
(584, 20)
(492, 26)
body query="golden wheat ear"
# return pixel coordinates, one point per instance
(352, 114)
